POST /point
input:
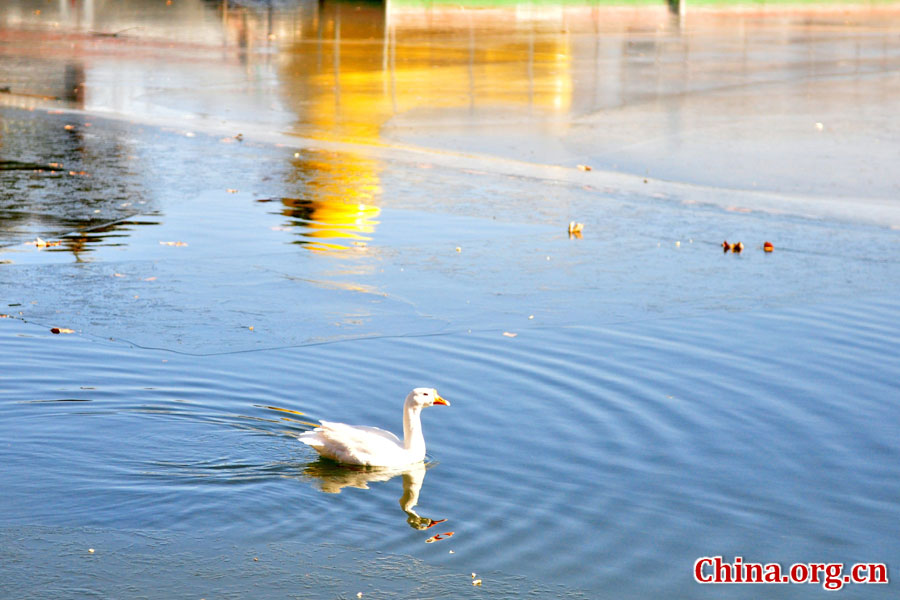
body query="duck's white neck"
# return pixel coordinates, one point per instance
(413, 440)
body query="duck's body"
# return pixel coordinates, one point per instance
(374, 447)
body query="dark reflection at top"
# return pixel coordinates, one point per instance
(58, 176)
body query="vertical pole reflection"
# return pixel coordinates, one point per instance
(471, 64)
(337, 61)
(531, 67)
(224, 21)
(393, 44)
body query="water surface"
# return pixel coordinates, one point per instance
(266, 216)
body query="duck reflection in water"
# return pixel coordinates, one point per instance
(331, 477)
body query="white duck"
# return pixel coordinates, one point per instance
(374, 447)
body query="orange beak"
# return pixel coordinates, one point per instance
(439, 400)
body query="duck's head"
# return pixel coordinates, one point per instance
(421, 397)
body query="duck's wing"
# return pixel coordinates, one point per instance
(354, 445)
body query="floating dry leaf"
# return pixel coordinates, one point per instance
(61, 330)
(768, 247)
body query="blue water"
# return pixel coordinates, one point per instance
(623, 403)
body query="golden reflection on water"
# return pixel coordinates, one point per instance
(339, 212)
(357, 67)
(354, 69)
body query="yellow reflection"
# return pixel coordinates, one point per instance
(339, 213)
(358, 69)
